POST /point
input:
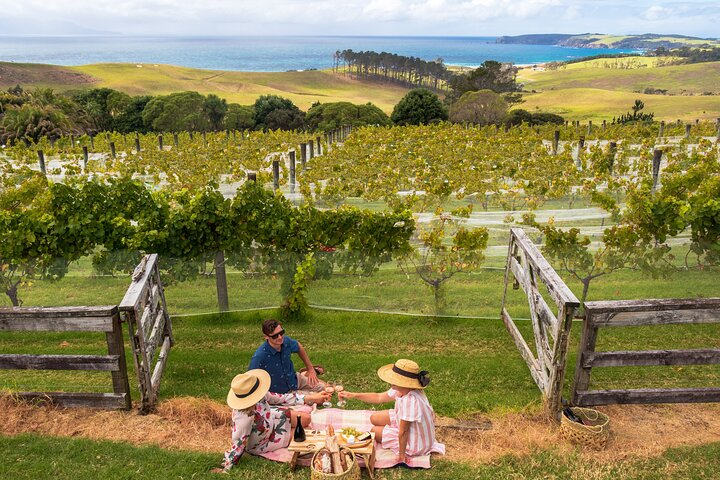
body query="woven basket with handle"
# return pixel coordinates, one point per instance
(594, 432)
(352, 473)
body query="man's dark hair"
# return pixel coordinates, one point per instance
(269, 326)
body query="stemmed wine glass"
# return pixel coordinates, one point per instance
(329, 388)
(341, 401)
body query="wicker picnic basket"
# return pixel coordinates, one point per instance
(594, 432)
(352, 473)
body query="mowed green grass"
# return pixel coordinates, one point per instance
(475, 364)
(587, 91)
(34, 456)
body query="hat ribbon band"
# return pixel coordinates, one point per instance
(422, 376)
(252, 390)
(404, 373)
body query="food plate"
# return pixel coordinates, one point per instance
(342, 441)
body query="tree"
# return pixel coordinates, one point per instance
(30, 122)
(483, 107)
(177, 112)
(94, 103)
(287, 117)
(491, 75)
(239, 117)
(448, 248)
(419, 107)
(330, 116)
(215, 108)
(129, 117)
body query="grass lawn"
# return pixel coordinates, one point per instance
(33, 456)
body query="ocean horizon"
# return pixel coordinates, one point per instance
(270, 53)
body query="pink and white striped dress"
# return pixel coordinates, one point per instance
(415, 408)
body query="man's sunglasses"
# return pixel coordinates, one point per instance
(276, 335)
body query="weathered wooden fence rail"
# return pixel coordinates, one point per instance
(71, 319)
(551, 332)
(638, 313)
(144, 310)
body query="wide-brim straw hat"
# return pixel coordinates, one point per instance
(404, 373)
(248, 388)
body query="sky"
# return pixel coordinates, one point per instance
(359, 17)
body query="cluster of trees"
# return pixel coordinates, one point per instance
(481, 97)
(390, 67)
(30, 115)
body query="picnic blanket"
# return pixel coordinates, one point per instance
(359, 419)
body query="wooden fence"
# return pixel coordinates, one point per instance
(71, 319)
(144, 310)
(636, 313)
(530, 269)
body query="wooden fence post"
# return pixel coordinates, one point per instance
(661, 132)
(589, 128)
(41, 160)
(276, 174)
(252, 177)
(556, 141)
(612, 153)
(137, 144)
(221, 281)
(112, 150)
(303, 156)
(292, 171)
(92, 142)
(85, 157)
(687, 130)
(657, 157)
(310, 150)
(160, 142)
(176, 140)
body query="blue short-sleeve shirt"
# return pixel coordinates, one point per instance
(278, 364)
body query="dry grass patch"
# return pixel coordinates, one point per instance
(199, 424)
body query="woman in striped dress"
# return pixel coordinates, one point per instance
(409, 428)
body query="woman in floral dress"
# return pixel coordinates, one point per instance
(259, 424)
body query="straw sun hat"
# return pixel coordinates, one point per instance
(248, 388)
(404, 373)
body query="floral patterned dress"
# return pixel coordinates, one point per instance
(266, 429)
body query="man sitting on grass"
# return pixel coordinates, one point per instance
(273, 356)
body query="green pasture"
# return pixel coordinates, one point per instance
(589, 91)
(598, 104)
(693, 79)
(302, 87)
(34, 456)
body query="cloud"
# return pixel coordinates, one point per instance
(368, 17)
(656, 12)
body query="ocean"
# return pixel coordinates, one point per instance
(270, 54)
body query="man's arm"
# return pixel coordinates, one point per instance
(310, 373)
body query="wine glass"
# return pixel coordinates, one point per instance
(329, 388)
(341, 401)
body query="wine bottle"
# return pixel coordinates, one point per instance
(567, 411)
(299, 435)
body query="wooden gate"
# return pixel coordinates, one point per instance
(626, 313)
(144, 310)
(71, 319)
(552, 332)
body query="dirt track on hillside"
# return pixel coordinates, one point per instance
(203, 425)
